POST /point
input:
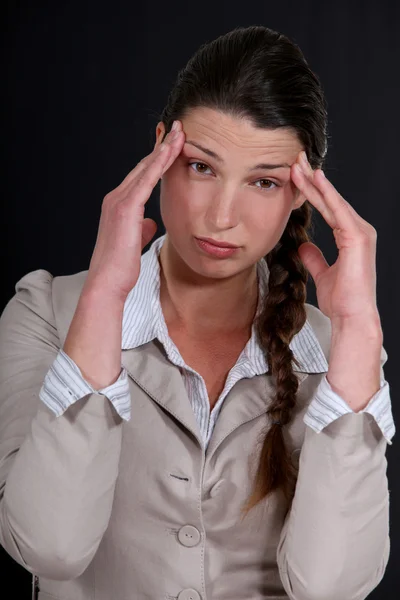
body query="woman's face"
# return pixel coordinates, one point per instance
(228, 199)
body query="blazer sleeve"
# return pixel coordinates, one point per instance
(335, 539)
(57, 474)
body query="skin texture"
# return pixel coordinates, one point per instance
(203, 296)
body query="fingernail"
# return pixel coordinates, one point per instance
(298, 168)
(174, 135)
(322, 173)
(174, 125)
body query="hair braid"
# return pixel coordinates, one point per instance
(283, 316)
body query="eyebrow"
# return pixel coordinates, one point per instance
(220, 160)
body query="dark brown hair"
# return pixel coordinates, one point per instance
(260, 74)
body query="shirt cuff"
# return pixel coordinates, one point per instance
(64, 385)
(326, 406)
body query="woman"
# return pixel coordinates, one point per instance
(182, 424)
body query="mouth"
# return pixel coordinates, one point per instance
(214, 250)
(217, 243)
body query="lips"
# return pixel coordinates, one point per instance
(217, 243)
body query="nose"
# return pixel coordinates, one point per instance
(223, 211)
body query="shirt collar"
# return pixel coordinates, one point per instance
(143, 319)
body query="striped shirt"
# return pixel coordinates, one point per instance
(143, 321)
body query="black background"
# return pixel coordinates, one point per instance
(82, 85)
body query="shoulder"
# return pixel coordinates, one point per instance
(52, 298)
(32, 295)
(28, 316)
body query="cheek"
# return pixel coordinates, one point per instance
(268, 222)
(180, 197)
(177, 203)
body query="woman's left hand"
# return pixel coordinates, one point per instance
(347, 289)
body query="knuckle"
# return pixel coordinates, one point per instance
(143, 161)
(370, 231)
(368, 234)
(107, 201)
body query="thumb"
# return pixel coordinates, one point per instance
(149, 228)
(313, 259)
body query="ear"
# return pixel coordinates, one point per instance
(160, 130)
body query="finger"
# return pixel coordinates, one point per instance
(328, 191)
(313, 195)
(337, 212)
(142, 185)
(146, 177)
(331, 205)
(177, 145)
(155, 156)
(173, 139)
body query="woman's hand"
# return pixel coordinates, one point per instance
(347, 289)
(123, 230)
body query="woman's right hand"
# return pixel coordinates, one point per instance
(123, 231)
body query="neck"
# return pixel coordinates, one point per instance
(202, 306)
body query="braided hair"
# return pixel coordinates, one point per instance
(282, 317)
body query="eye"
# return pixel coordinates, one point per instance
(198, 163)
(269, 181)
(207, 167)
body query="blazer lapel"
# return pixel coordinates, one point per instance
(149, 367)
(247, 400)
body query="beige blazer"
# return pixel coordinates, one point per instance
(102, 509)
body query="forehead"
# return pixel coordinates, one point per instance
(226, 134)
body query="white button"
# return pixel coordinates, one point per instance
(189, 536)
(189, 594)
